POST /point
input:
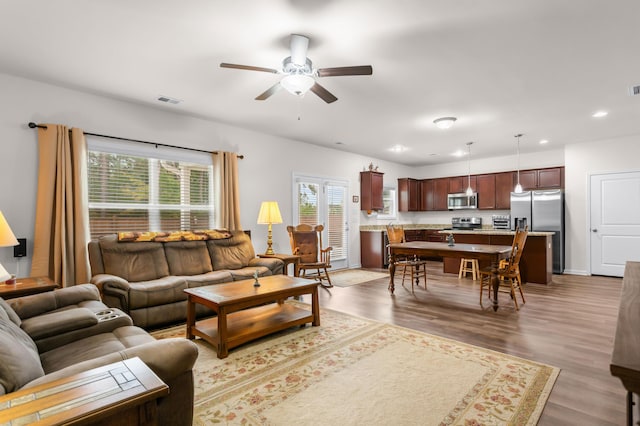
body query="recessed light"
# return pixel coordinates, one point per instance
(169, 100)
(398, 148)
(339, 143)
(599, 114)
(459, 153)
(444, 122)
(543, 141)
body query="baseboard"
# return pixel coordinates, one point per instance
(576, 272)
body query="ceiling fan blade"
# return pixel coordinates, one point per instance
(338, 71)
(270, 91)
(323, 93)
(247, 67)
(299, 46)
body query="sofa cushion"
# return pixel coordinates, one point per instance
(210, 278)
(188, 258)
(156, 292)
(94, 347)
(133, 261)
(247, 273)
(19, 360)
(9, 312)
(231, 253)
(59, 322)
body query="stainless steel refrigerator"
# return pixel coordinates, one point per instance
(543, 211)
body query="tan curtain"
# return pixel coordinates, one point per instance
(62, 224)
(227, 194)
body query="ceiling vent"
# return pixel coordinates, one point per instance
(168, 100)
(634, 90)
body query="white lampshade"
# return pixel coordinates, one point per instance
(6, 239)
(269, 213)
(297, 84)
(518, 189)
(6, 234)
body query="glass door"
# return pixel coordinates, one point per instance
(324, 201)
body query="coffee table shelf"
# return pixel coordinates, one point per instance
(245, 312)
(250, 324)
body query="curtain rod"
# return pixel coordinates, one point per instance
(33, 125)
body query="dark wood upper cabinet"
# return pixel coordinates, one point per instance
(460, 183)
(504, 185)
(434, 194)
(551, 178)
(528, 179)
(486, 191)
(371, 191)
(408, 195)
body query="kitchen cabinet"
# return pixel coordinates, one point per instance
(504, 186)
(434, 194)
(486, 191)
(372, 249)
(548, 178)
(371, 191)
(408, 195)
(459, 184)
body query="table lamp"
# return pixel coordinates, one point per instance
(269, 214)
(7, 239)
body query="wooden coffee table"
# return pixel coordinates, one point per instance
(245, 312)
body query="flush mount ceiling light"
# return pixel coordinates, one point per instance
(599, 114)
(398, 148)
(444, 122)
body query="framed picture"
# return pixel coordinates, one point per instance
(355, 198)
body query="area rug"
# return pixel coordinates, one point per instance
(349, 277)
(353, 371)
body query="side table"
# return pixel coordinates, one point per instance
(26, 287)
(122, 393)
(287, 259)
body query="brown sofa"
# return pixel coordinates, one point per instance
(56, 334)
(146, 279)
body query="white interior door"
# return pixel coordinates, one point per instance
(324, 201)
(615, 222)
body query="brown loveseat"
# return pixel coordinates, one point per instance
(146, 279)
(48, 336)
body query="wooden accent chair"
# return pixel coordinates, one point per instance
(416, 267)
(509, 271)
(306, 242)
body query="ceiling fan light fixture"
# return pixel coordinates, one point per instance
(297, 84)
(444, 122)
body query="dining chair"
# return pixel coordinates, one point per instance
(411, 266)
(306, 242)
(508, 272)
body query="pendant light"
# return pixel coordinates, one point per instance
(469, 191)
(518, 188)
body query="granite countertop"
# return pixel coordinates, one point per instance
(495, 232)
(446, 229)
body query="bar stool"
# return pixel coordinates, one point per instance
(469, 265)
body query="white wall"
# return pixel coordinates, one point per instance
(269, 163)
(582, 161)
(265, 173)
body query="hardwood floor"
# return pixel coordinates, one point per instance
(569, 324)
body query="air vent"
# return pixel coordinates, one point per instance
(634, 90)
(168, 100)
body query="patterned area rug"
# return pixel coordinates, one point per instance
(353, 371)
(349, 277)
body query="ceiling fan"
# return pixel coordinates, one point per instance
(299, 74)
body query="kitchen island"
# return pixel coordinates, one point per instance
(536, 265)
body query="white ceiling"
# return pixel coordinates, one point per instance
(538, 67)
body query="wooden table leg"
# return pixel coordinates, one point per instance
(392, 272)
(315, 307)
(495, 283)
(191, 318)
(222, 349)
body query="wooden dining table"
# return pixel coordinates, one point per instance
(491, 253)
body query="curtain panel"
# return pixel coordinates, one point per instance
(62, 225)
(227, 193)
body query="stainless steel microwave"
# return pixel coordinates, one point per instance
(462, 201)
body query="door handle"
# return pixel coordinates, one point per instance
(594, 230)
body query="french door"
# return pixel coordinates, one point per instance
(324, 201)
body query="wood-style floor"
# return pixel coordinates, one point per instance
(569, 324)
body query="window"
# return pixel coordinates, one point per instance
(146, 191)
(389, 203)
